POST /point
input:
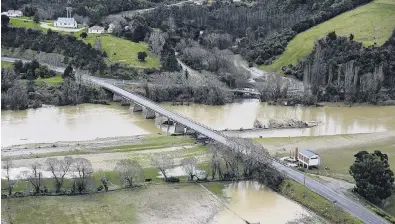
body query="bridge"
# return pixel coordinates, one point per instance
(149, 109)
(143, 104)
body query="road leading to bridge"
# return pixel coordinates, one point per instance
(349, 205)
(354, 208)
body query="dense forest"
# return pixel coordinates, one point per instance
(341, 69)
(262, 31)
(94, 9)
(78, 53)
(19, 89)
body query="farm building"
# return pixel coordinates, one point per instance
(67, 21)
(13, 13)
(308, 159)
(96, 29)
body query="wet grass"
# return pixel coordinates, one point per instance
(15, 22)
(154, 143)
(315, 202)
(360, 21)
(215, 187)
(124, 51)
(340, 160)
(110, 207)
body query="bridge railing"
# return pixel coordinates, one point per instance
(184, 117)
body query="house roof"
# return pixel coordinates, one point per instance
(14, 11)
(65, 20)
(307, 153)
(97, 28)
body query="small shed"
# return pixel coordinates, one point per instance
(308, 158)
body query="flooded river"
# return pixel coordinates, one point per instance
(257, 203)
(71, 123)
(88, 121)
(335, 120)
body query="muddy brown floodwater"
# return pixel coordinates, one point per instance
(257, 203)
(335, 119)
(71, 123)
(89, 121)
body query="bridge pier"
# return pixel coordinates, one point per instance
(148, 113)
(116, 98)
(137, 108)
(179, 128)
(125, 102)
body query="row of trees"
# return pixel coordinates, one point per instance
(341, 69)
(95, 10)
(78, 53)
(245, 160)
(179, 86)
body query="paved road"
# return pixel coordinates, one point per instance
(349, 205)
(354, 208)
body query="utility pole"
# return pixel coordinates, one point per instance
(304, 180)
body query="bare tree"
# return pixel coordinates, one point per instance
(59, 169)
(83, 170)
(129, 172)
(34, 176)
(189, 166)
(215, 162)
(162, 162)
(7, 165)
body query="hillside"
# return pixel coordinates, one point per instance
(360, 21)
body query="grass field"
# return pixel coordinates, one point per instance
(6, 64)
(124, 51)
(53, 81)
(118, 207)
(315, 202)
(24, 23)
(360, 21)
(155, 142)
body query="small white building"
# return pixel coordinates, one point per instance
(13, 13)
(65, 22)
(308, 159)
(96, 29)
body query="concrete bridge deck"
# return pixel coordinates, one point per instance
(349, 205)
(339, 199)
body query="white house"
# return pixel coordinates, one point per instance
(65, 22)
(13, 13)
(308, 158)
(96, 29)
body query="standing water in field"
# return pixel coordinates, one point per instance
(256, 203)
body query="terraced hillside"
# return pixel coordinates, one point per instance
(361, 22)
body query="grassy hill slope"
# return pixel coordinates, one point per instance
(118, 50)
(360, 21)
